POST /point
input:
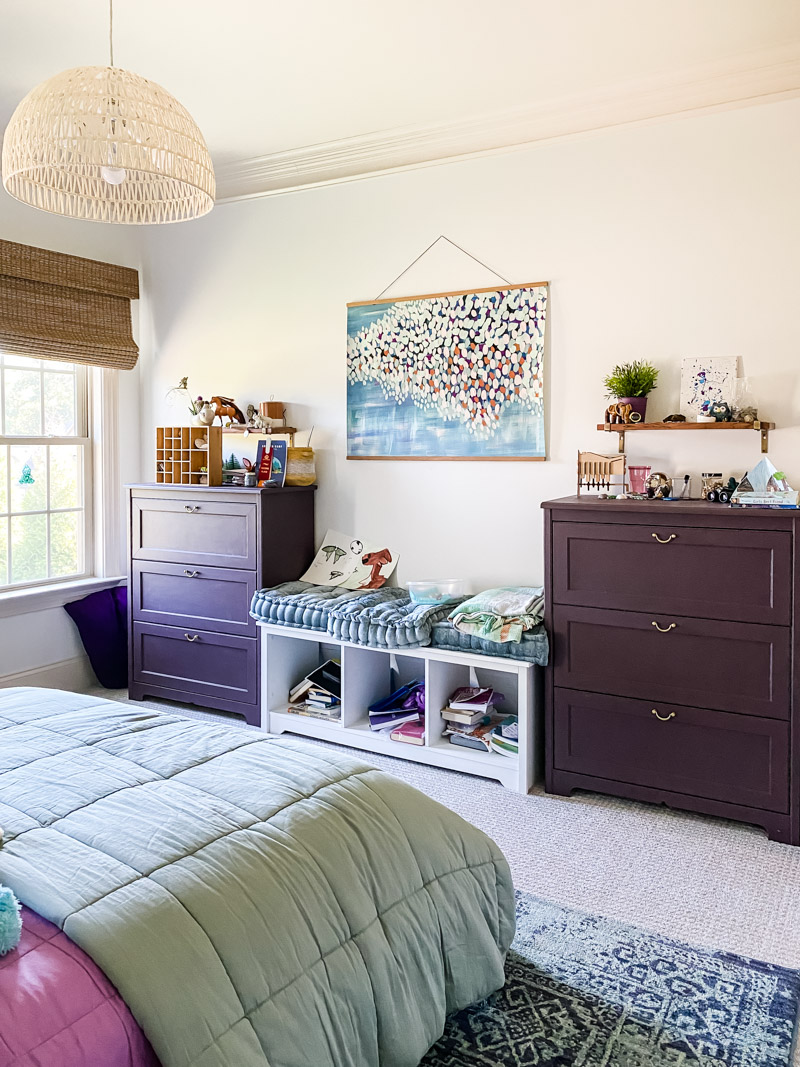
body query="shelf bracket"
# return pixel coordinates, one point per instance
(621, 434)
(764, 439)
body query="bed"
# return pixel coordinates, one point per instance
(255, 901)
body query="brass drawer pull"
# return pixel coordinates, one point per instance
(191, 637)
(664, 540)
(663, 718)
(196, 507)
(192, 574)
(664, 629)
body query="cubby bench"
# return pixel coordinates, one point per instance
(288, 654)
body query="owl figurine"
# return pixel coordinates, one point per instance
(720, 411)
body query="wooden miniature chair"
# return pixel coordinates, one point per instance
(596, 471)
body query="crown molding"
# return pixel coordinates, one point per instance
(757, 77)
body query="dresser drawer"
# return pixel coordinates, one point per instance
(186, 529)
(665, 567)
(208, 598)
(196, 662)
(731, 666)
(738, 759)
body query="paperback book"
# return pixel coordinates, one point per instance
(474, 698)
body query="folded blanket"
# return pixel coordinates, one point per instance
(500, 614)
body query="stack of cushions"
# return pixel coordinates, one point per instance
(388, 618)
(376, 618)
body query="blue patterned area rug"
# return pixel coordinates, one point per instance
(582, 991)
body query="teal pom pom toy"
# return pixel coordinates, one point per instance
(10, 921)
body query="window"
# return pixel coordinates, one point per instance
(45, 472)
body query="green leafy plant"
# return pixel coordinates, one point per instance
(631, 379)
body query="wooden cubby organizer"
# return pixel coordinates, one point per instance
(289, 654)
(179, 460)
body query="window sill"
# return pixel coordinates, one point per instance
(42, 597)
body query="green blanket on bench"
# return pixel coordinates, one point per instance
(257, 902)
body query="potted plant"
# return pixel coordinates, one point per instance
(629, 383)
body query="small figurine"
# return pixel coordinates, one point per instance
(256, 419)
(720, 411)
(675, 418)
(225, 407)
(619, 412)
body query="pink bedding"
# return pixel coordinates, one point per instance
(57, 1008)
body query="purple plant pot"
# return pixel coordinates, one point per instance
(637, 403)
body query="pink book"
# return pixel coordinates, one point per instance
(413, 733)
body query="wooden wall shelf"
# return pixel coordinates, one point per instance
(622, 428)
(276, 431)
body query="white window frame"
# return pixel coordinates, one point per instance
(103, 563)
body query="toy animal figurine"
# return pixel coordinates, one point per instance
(256, 419)
(720, 411)
(225, 408)
(675, 418)
(616, 413)
(375, 560)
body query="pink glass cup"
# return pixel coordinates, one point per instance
(638, 478)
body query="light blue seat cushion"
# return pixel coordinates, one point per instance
(396, 623)
(533, 648)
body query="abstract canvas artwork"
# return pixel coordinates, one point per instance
(706, 381)
(448, 376)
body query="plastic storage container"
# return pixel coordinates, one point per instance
(437, 591)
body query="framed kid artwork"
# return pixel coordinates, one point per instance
(448, 375)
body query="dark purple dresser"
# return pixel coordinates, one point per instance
(673, 632)
(197, 555)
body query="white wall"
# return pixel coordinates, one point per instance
(43, 646)
(661, 241)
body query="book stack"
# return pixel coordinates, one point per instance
(470, 716)
(402, 706)
(504, 738)
(319, 695)
(401, 714)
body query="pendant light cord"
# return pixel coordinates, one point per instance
(111, 31)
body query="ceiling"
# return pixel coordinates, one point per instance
(275, 82)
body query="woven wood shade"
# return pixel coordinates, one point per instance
(55, 306)
(72, 136)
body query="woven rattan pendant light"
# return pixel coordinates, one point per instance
(104, 144)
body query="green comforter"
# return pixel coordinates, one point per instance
(256, 901)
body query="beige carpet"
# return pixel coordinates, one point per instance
(697, 879)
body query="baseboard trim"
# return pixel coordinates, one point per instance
(74, 674)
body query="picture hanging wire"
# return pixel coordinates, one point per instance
(441, 237)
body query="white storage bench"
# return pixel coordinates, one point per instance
(288, 654)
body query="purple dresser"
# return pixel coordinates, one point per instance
(673, 632)
(197, 555)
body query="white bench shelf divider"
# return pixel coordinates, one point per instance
(290, 653)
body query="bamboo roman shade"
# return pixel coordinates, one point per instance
(55, 306)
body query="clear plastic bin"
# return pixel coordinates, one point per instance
(437, 591)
